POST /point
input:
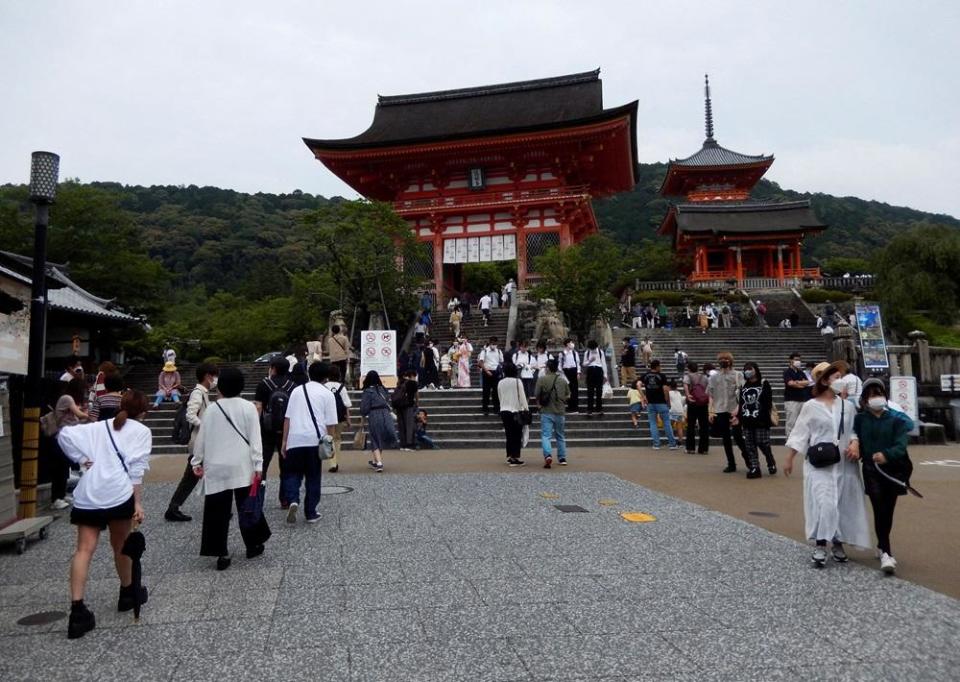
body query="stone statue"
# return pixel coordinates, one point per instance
(549, 327)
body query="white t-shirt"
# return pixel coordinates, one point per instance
(301, 433)
(485, 302)
(105, 484)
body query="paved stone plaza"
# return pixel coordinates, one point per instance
(481, 577)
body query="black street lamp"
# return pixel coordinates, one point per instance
(44, 172)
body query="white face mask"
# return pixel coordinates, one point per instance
(837, 386)
(877, 404)
(797, 364)
(213, 382)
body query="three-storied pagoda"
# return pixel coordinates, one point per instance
(719, 230)
(497, 172)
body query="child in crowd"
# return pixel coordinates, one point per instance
(635, 398)
(423, 440)
(678, 409)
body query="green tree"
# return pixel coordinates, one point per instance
(579, 279)
(840, 265)
(364, 246)
(917, 273)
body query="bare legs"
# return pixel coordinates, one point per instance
(87, 537)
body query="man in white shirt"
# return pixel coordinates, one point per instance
(311, 414)
(485, 302)
(491, 370)
(570, 366)
(197, 404)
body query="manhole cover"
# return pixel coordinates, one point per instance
(772, 515)
(42, 618)
(335, 489)
(569, 508)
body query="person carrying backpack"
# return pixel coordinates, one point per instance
(342, 399)
(188, 420)
(698, 417)
(271, 399)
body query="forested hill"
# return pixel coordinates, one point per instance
(134, 242)
(856, 229)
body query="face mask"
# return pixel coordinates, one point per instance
(569, 346)
(213, 382)
(836, 386)
(877, 403)
(748, 373)
(797, 364)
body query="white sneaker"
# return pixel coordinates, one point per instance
(888, 564)
(292, 512)
(59, 504)
(819, 557)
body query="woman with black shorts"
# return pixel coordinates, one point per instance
(115, 454)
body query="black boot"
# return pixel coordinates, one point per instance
(125, 602)
(754, 472)
(81, 622)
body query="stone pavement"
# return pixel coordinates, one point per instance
(480, 577)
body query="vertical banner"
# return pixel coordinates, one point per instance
(473, 250)
(378, 352)
(484, 249)
(461, 250)
(449, 250)
(496, 247)
(509, 247)
(903, 391)
(872, 345)
(14, 326)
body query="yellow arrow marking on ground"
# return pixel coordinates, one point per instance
(550, 496)
(637, 517)
(608, 503)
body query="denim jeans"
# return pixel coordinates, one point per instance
(662, 409)
(303, 463)
(551, 426)
(161, 396)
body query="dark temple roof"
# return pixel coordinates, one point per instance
(712, 154)
(485, 110)
(746, 218)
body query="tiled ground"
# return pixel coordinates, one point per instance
(479, 577)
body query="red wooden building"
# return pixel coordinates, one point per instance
(719, 232)
(497, 172)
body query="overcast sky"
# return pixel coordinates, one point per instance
(857, 98)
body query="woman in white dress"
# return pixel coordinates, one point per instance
(463, 363)
(833, 500)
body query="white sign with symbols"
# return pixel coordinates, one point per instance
(378, 352)
(950, 382)
(903, 391)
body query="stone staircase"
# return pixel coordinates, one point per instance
(474, 330)
(456, 421)
(779, 306)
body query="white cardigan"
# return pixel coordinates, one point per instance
(228, 463)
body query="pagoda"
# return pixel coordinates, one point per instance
(491, 173)
(718, 232)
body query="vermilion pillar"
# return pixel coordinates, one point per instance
(438, 269)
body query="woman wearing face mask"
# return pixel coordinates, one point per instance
(833, 494)
(884, 434)
(755, 399)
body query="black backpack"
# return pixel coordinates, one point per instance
(341, 406)
(275, 410)
(182, 429)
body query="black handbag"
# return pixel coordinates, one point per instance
(827, 454)
(522, 417)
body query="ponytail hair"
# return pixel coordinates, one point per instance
(132, 405)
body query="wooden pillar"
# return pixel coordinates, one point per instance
(780, 273)
(729, 264)
(739, 266)
(566, 238)
(519, 223)
(697, 259)
(438, 269)
(796, 255)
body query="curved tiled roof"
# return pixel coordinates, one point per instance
(748, 217)
(712, 154)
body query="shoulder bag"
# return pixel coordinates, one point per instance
(774, 412)
(326, 442)
(522, 417)
(827, 453)
(116, 449)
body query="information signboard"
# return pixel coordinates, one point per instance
(378, 352)
(872, 345)
(903, 391)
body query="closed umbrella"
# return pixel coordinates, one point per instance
(134, 547)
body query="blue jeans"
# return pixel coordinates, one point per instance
(425, 440)
(161, 396)
(551, 426)
(303, 463)
(664, 411)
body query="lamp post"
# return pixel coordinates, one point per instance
(44, 171)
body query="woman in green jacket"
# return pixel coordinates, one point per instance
(884, 434)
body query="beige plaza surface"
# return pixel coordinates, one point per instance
(926, 534)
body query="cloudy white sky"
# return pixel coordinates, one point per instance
(857, 98)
